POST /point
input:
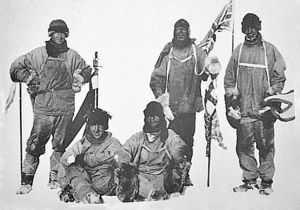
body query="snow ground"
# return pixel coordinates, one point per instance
(225, 174)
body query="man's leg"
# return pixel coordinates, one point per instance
(40, 134)
(59, 131)
(265, 145)
(151, 187)
(184, 126)
(245, 152)
(80, 181)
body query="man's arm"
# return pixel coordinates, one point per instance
(103, 157)
(78, 63)
(158, 76)
(230, 74)
(277, 76)
(26, 67)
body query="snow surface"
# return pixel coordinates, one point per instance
(129, 36)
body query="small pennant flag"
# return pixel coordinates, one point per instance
(10, 97)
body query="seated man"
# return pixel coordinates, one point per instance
(92, 173)
(145, 160)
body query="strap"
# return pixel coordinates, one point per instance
(182, 61)
(265, 66)
(168, 69)
(51, 90)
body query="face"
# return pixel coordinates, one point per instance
(181, 33)
(251, 33)
(97, 130)
(58, 37)
(153, 121)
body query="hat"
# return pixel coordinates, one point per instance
(98, 116)
(182, 23)
(154, 108)
(58, 26)
(251, 20)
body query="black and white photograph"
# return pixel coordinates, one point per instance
(148, 104)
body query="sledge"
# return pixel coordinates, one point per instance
(90, 102)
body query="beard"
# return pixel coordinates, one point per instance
(154, 126)
(181, 43)
(257, 39)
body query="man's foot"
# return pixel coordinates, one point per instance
(24, 189)
(266, 187)
(53, 184)
(188, 181)
(158, 195)
(93, 198)
(66, 194)
(248, 185)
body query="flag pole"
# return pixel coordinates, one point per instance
(20, 116)
(233, 17)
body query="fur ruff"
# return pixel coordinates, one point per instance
(128, 183)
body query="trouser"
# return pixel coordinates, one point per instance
(84, 182)
(184, 126)
(248, 134)
(148, 183)
(43, 127)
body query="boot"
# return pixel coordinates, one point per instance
(186, 175)
(248, 185)
(266, 187)
(93, 198)
(188, 181)
(26, 183)
(66, 194)
(158, 195)
(53, 184)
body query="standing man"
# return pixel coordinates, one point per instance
(53, 73)
(255, 71)
(178, 72)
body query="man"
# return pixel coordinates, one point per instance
(92, 173)
(150, 151)
(255, 71)
(53, 73)
(178, 72)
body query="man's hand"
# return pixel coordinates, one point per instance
(212, 65)
(71, 159)
(77, 81)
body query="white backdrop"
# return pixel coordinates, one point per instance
(129, 36)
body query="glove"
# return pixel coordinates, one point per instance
(233, 114)
(80, 159)
(164, 101)
(77, 81)
(33, 83)
(212, 65)
(70, 160)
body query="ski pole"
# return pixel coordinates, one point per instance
(95, 78)
(20, 116)
(208, 147)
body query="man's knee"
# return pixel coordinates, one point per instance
(34, 147)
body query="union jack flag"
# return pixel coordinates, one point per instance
(224, 21)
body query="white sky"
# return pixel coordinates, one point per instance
(129, 36)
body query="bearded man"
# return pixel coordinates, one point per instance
(178, 73)
(254, 72)
(150, 151)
